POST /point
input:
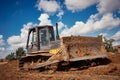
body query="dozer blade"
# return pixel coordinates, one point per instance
(76, 48)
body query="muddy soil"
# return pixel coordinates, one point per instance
(111, 71)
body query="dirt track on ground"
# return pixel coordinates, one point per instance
(111, 71)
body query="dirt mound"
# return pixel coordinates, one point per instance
(10, 71)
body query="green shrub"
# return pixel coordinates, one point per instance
(108, 45)
(10, 56)
(17, 54)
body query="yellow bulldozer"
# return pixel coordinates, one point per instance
(47, 51)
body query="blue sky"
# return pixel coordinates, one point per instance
(74, 17)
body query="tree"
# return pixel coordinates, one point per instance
(10, 56)
(20, 52)
(108, 45)
(17, 54)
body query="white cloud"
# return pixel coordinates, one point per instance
(61, 25)
(50, 6)
(44, 19)
(103, 6)
(2, 52)
(1, 40)
(106, 6)
(16, 41)
(104, 35)
(116, 37)
(2, 49)
(60, 14)
(93, 24)
(107, 21)
(76, 5)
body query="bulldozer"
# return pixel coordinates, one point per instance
(47, 51)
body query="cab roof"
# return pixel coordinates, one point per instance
(42, 26)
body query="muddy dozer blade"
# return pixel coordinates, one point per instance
(76, 48)
(82, 47)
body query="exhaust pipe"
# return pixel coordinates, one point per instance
(57, 35)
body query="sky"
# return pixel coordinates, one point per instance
(74, 17)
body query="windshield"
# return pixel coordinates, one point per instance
(44, 38)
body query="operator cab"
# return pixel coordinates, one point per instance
(42, 38)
